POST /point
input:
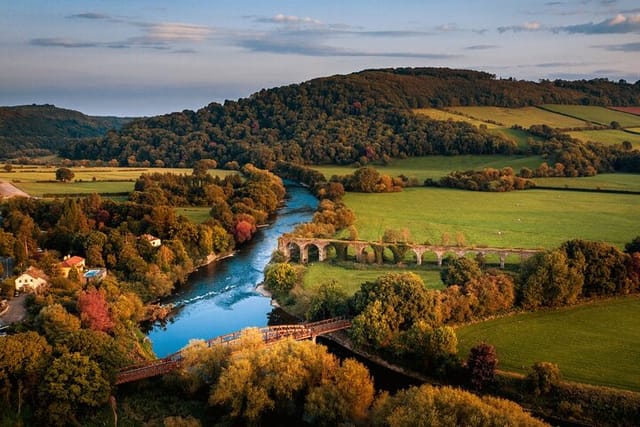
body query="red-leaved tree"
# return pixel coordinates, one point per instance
(482, 364)
(94, 311)
(243, 231)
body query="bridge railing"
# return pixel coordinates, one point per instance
(270, 335)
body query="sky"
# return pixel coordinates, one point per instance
(148, 57)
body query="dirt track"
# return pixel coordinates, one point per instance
(8, 190)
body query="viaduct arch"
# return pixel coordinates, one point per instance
(300, 248)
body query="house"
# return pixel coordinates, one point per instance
(68, 263)
(153, 240)
(31, 280)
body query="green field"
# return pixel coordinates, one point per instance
(435, 167)
(519, 136)
(599, 115)
(350, 279)
(607, 137)
(195, 214)
(597, 343)
(437, 114)
(528, 219)
(525, 117)
(107, 179)
(607, 181)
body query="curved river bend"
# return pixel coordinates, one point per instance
(221, 298)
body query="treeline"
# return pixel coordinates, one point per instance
(489, 179)
(37, 130)
(342, 119)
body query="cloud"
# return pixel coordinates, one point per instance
(177, 32)
(293, 47)
(281, 18)
(527, 26)
(626, 47)
(619, 24)
(481, 47)
(60, 42)
(90, 15)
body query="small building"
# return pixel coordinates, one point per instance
(31, 280)
(68, 263)
(153, 240)
(95, 274)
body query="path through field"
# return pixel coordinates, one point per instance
(9, 190)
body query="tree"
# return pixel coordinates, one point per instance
(56, 322)
(542, 377)
(272, 379)
(548, 279)
(94, 311)
(446, 406)
(329, 300)
(345, 398)
(460, 271)
(364, 180)
(72, 382)
(23, 360)
(633, 246)
(280, 278)
(8, 167)
(64, 174)
(481, 365)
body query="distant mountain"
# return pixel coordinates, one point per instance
(35, 130)
(343, 119)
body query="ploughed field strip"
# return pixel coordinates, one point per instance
(270, 335)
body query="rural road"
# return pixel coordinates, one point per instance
(16, 311)
(9, 190)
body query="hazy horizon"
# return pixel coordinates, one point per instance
(155, 56)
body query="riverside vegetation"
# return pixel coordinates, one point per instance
(79, 335)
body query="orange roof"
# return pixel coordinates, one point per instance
(72, 262)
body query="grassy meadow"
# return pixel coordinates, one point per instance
(596, 343)
(593, 114)
(606, 181)
(525, 117)
(195, 214)
(350, 279)
(30, 179)
(607, 137)
(527, 219)
(437, 114)
(435, 167)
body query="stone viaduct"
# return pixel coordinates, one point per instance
(303, 250)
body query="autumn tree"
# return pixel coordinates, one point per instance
(328, 300)
(94, 310)
(446, 406)
(481, 365)
(344, 398)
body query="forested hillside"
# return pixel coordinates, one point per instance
(34, 130)
(342, 119)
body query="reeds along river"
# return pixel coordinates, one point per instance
(221, 298)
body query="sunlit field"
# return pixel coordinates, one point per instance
(599, 115)
(597, 343)
(528, 219)
(40, 180)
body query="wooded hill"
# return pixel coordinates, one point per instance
(35, 130)
(343, 119)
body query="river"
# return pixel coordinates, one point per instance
(221, 298)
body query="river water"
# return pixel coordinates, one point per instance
(221, 298)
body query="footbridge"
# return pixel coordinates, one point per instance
(270, 335)
(300, 249)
